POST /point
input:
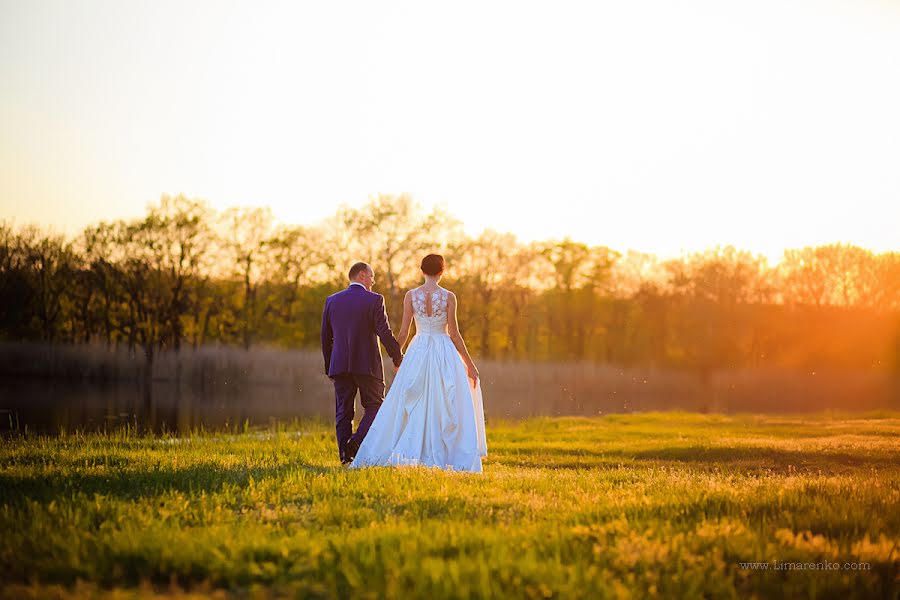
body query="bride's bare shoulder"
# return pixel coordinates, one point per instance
(450, 294)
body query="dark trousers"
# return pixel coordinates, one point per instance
(371, 394)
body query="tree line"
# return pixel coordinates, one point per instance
(185, 275)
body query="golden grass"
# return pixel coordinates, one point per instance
(660, 504)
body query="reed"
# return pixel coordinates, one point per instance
(268, 377)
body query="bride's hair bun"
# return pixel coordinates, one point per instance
(433, 264)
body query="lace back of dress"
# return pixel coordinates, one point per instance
(438, 314)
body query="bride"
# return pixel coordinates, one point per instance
(433, 415)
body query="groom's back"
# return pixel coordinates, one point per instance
(350, 316)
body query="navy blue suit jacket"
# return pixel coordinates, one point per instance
(352, 322)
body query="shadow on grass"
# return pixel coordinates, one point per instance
(696, 456)
(135, 485)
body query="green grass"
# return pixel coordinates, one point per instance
(663, 504)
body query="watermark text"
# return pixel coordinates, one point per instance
(783, 565)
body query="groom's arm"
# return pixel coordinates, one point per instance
(327, 336)
(383, 329)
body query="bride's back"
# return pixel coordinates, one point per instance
(430, 309)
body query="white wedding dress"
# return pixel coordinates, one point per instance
(432, 415)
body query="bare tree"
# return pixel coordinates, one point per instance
(49, 264)
(15, 290)
(578, 272)
(180, 253)
(484, 266)
(247, 236)
(100, 250)
(299, 257)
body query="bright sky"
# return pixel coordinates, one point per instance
(648, 124)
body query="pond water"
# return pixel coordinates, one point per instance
(51, 406)
(511, 391)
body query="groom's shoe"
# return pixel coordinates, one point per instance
(342, 449)
(350, 450)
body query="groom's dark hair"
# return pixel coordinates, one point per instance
(357, 269)
(433, 264)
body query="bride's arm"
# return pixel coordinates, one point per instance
(456, 336)
(407, 319)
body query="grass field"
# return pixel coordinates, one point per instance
(659, 504)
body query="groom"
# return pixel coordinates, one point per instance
(350, 323)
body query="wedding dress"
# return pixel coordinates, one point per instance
(432, 415)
